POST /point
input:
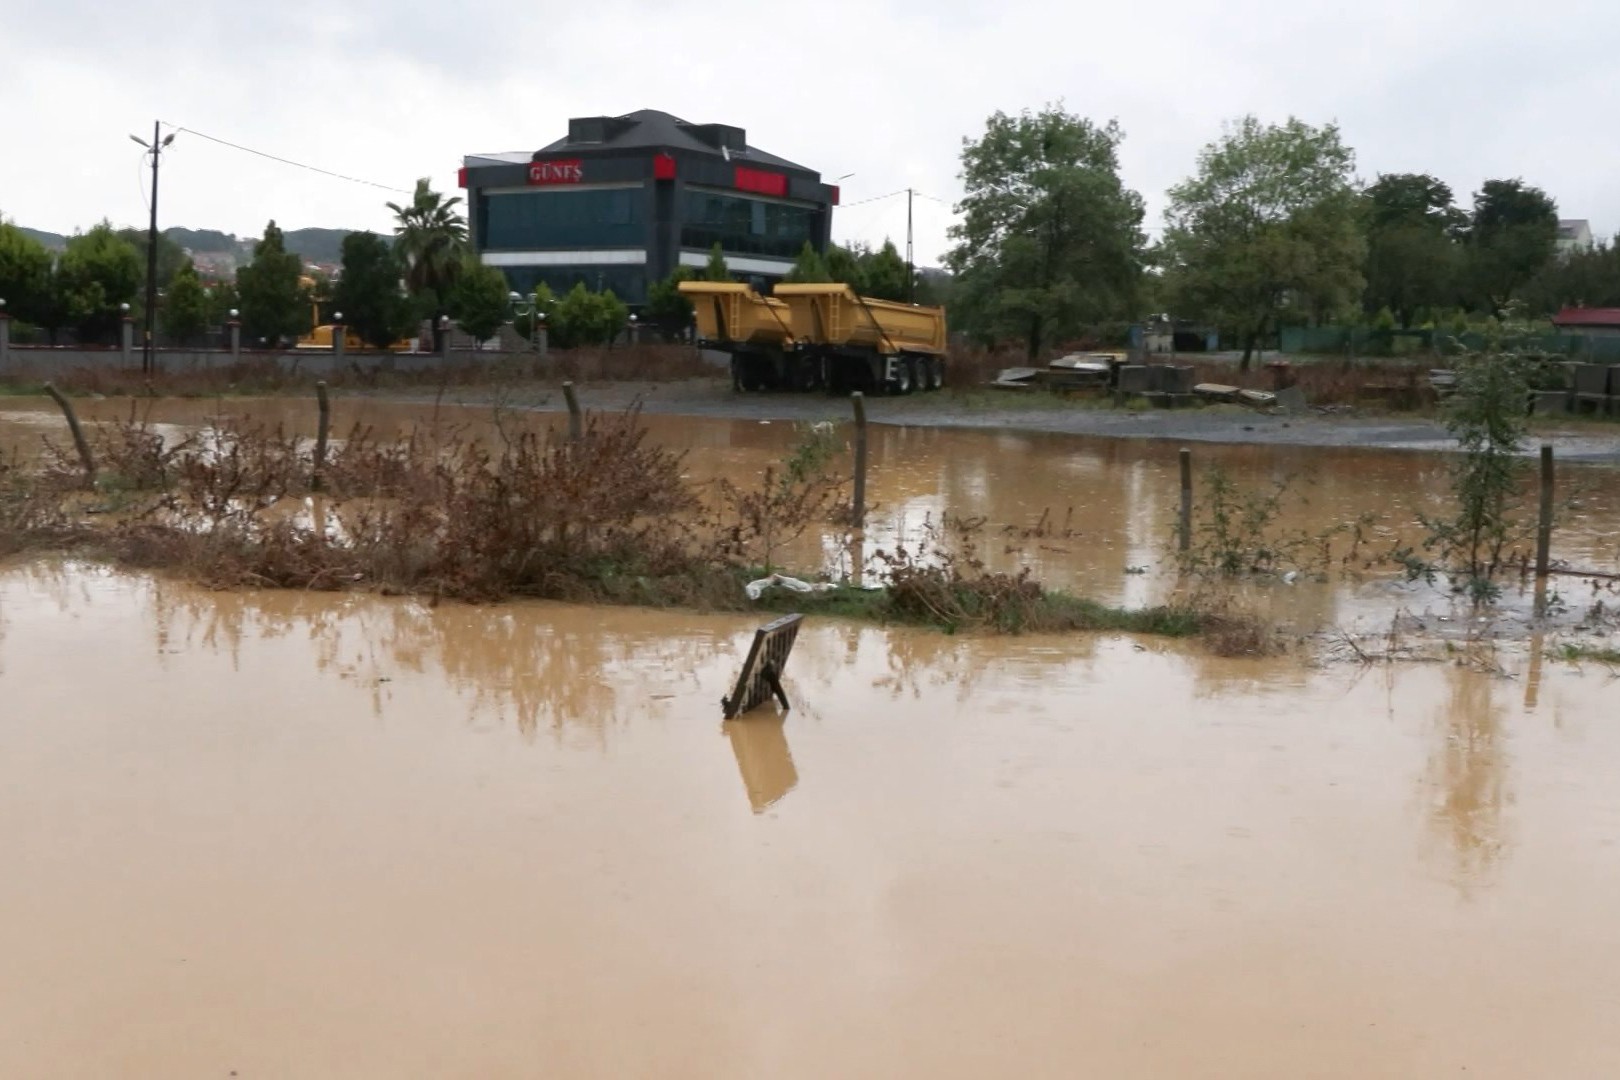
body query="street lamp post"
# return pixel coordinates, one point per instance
(530, 310)
(155, 148)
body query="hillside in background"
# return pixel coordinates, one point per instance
(312, 245)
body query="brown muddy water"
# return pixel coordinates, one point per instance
(1091, 515)
(293, 835)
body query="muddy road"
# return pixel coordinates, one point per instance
(991, 410)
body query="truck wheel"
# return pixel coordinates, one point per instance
(931, 373)
(904, 378)
(736, 376)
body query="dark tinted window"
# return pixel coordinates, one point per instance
(561, 219)
(629, 283)
(744, 226)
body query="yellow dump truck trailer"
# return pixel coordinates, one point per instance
(820, 335)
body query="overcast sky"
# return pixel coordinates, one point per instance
(1465, 89)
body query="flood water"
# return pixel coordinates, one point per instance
(291, 835)
(1091, 515)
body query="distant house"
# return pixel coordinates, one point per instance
(1589, 322)
(1574, 234)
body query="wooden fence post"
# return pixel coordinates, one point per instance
(576, 421)
(321, 432)
(1184, 526)
(1544, 524)
(859, 402)
(85, 457)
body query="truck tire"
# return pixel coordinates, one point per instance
(934, 374)
(905, 378)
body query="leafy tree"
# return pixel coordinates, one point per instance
(586, 318)
(368, 293)
(1413, 259)
(666, 308)
(273, 304)
(844, 264)
(1511, 235)
(25, 275)
(1269, 220)
(432, 237)
(716, 269)
(170, 255)
(97, 274)
(480, 300)
(185, 312)
(1589, 277)
(1050, 240)
(883, 273)
(808, 268)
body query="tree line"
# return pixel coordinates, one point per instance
(1272, 229)
(388, 287)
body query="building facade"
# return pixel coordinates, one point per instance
(623, 200)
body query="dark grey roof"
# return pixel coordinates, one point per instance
(649, 129)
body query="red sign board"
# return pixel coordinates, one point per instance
(760, 182)
(663, 167)
(556, 172)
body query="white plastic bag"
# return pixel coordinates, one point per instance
(756, 589)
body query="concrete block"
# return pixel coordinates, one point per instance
(1550, 402)
(1173, 378)
(1135, 379)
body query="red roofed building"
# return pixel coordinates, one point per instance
(1589, 322)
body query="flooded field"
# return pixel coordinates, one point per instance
(1090, 515)
(280, 834)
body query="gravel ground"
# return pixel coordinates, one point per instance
(1021, 411)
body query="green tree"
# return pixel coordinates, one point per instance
(844, 264)
(582, 317)
(170, 255)
(97, 274)
(715, 269)
(1512, 235)
(1413, 260)
(883, 273)
(1589, 277)
(274, 307)
(809, 268)
(1269, 220)
(368, 292)
(185, 310)
(25, 276)
(666, 308)
(1050, 240)
(431, 238)
(480, 299)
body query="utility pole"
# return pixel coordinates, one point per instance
(911, 268)
(155, 147)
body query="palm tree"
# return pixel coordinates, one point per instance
(432, 239)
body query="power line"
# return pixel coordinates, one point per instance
(875, 198)
(286, 161)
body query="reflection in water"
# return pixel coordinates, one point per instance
(1467, 777)
(759, 741)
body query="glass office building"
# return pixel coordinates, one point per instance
(624, 200)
